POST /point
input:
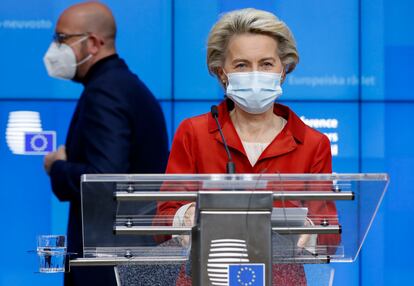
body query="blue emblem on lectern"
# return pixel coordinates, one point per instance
(246, 275)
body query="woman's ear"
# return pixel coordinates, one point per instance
(283, 75)
(222, 76)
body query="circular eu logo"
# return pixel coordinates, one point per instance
(38, 143)
(246, 276)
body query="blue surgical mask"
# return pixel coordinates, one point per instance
(254, 92)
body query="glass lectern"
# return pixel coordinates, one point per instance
(247, 228)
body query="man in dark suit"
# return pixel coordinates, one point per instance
(117, 127)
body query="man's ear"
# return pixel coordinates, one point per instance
(95, 44)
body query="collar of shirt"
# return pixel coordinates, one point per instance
(99, 67)
(286, 141)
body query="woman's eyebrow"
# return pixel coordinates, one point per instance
(239, 60)
(267, 59)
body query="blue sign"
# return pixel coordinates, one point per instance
(246, 275)
(39, 143)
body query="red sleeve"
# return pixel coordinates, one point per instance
(181, 161)
(321, 210)
(322, 162)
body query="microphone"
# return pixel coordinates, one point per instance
(230, 167)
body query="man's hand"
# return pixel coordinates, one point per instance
(50, 158)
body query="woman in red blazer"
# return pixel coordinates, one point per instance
(250, 52)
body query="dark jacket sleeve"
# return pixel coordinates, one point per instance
(106, 134)
(65, 179)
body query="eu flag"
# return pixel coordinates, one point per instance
(40, 142)
(246, 275)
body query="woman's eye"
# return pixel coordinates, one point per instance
(240, 66)
(267, 66)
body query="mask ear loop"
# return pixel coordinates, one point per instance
(84, 60)
(79, 41)
(88, 57)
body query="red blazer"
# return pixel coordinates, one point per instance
(198, 148)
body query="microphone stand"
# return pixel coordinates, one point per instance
(230, 167)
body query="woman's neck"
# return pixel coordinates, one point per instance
(259, 128)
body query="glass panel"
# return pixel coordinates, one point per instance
(316, 218)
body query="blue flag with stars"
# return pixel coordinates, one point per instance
(246, 275)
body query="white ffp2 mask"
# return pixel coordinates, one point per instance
(254, 92)
(60, 60)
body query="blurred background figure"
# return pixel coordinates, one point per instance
(117, 126)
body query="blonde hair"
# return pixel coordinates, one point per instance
(250, 21)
